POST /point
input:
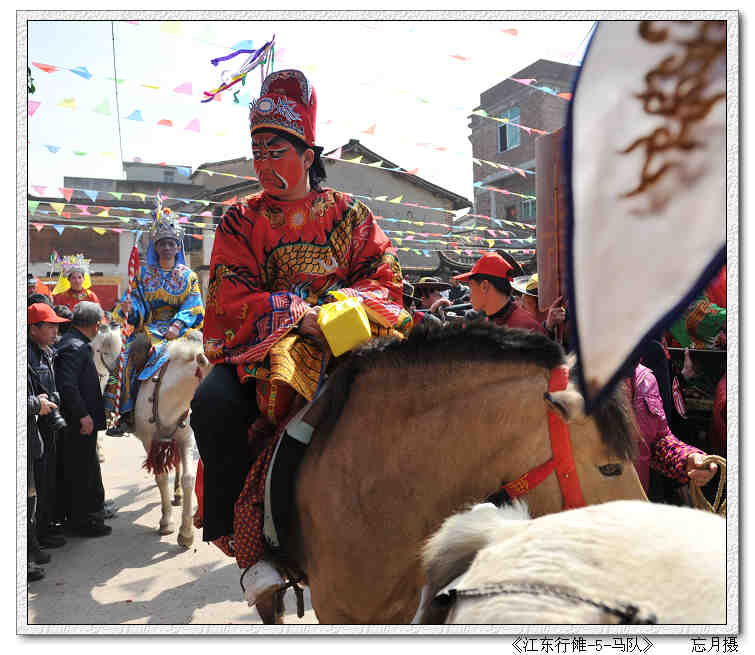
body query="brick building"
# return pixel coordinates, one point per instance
(506, 144)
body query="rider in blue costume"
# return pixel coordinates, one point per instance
(165, 304)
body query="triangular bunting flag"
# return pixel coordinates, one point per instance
(52, 149)
(184, 88)
(83, 209)
(244, 45)
(44, 67)
(184, 170)
(193, 125)
(40, 190)
(136, 115)
(150, 86)
(33, 204)
(33, 106)
(104, 213)
(511, 31)
(116, 229)
(116, 194)
(565, 96)
(356, 160)
(59, 228)
(396, 200)
(99, 230)
(376, 164)
(68, 103)
(91, 194)
(370, 130)
(526, 81)
(38, 226)
(381, 197)
(165, 122)
(122, 219)
(141, 196)
(66, 214)
(79, 153)
(336, 154)
(170, 27)
(67, 193)
(82, 71)
(57, 206)
(414, 171)
(230, 201)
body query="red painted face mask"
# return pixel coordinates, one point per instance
(279, 167)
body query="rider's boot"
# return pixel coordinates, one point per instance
(125, 424)
(261, 580)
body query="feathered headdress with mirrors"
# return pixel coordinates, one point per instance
(72, 264)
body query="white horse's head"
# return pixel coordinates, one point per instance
(106, 348)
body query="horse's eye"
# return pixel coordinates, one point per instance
(610, 470)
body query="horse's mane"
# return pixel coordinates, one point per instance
(476, 341)
(184, 348)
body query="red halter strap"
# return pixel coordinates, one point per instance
(562, 461)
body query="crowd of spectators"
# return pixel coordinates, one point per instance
(65, 493)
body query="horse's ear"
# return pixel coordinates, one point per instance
(569, 404)
(202, 360)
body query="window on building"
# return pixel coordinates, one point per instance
(169, 176)
(529, 209)
(508, 135)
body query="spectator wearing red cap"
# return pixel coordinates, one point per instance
(41, 434)
(490, 294)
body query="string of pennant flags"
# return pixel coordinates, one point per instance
(455, 234)
(426, 252)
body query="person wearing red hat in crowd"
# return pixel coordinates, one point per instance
(490, 294)
(43, 422)
(276, 258)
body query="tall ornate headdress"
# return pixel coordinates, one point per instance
(164, 226)
(287, 102)
(72, 264)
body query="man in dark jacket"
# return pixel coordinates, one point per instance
(41, 434)
(82, 495)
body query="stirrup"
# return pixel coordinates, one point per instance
(262, 579)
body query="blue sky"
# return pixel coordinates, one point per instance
(406, 78)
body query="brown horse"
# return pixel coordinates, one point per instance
(417, 429)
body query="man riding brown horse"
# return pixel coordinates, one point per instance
(277, 258)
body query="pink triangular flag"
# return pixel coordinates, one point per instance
(184, 88)
(230, 201)
(67, 193)
(47, 68)
(39, 226)
(33, 106)
(193, 125)
(336, 154)
(39, 189)
(521, 172)
(83, 209)
(511, 31)
(414, 171)
(527, 81)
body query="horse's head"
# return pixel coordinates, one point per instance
(106, 348)
(604, 444)
(189, 355)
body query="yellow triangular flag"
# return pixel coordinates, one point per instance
(397, 199)
(381, 197)
(58, 207)
(356, 160)
(198, 224)
(376, 164)
(123, 219)
(69, 103)
(141, 196)
(99, 230)
(104, 213)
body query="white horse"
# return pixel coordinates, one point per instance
(618, 562)
(161, 420)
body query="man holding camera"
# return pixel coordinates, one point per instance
(43, 424)
(82, 493)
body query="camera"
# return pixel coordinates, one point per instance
(53, 421)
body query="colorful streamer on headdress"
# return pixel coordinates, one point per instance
(256, 58)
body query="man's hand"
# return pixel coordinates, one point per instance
(171, 332)
(556, 315)
(45, 405)
(309, 327)
(700, 474)
(87, 425)
(440, 302)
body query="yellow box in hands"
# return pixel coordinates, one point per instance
(344, 323)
